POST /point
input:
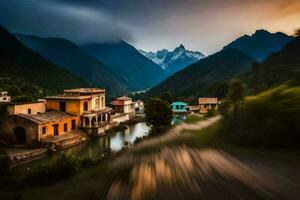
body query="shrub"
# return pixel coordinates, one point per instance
(269, 119)
(210, 113)
(4, 164)
(63, 166)
(23, 98)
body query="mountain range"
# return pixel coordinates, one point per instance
(173, 61)
(197, 79)
(209, 76)
(23, 71)
(128, 65)
(71, 57)
(276, 69)
(260, 44)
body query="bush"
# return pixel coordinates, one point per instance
(158, 113)
(210, 113)
(269, 119)
(63, 166)
(4, 164)
(23, 98)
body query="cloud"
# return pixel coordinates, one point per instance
(205, 25)
(45, 18)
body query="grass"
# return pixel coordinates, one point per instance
(191, 119)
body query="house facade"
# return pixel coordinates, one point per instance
(206, 104)
(179, 107)
(25, 129)
(88, 104)
(26, 108)
(123, 105)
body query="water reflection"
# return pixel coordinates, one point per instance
(112, 142)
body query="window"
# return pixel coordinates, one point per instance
(177, 107)
(44, 130)
(85, 106)
(62, 106)
(73, 124)
(29, 111)
(102, 102)
(65, 127)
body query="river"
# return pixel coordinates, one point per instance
(97, 147)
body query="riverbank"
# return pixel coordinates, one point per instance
(189, 161)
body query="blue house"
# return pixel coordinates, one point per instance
(179, 107)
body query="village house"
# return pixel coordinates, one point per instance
(139, 106)
(26, 108)
(4, 97)
(52, 128)
(206, 104)
(88, 105)
(123, 109)
(179, 108)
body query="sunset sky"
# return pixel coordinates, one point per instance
(204, 25)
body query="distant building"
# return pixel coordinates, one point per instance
(139, 106)
(206, 104)
(88, 104)
(193, 109)
(4, 98)
(179, 107)
(52, 127)
(123, 105)
(26, 108)
(123, 109)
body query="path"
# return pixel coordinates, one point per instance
(189, 173)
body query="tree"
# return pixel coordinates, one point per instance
(236, 94)
(167, 96)
(23, 98)
(158, 113)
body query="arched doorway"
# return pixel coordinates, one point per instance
(94, 121)
(20, 135)
(103, 118)
(86, 122)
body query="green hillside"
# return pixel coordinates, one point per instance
(207, 76)
(24, 72)
(277, 68)
(68, 55)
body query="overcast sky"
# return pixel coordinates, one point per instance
(204, 25)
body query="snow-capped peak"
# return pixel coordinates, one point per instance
(173, 61)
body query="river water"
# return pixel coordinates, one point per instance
(97, 147)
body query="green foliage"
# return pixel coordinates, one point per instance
(167, 97)
(23, 71)
(23, 98)
(158, 113)
(210, 113)
(236, 91)
(269, 119)
(276, 69)
(63, 166)
(191, 119)
(4, 164)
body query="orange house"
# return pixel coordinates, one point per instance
(88, 104)
(29, 129)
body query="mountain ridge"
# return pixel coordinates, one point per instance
(131, 68)
(261, 44)
(23, 70)
(70, 56)
(173, 61)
